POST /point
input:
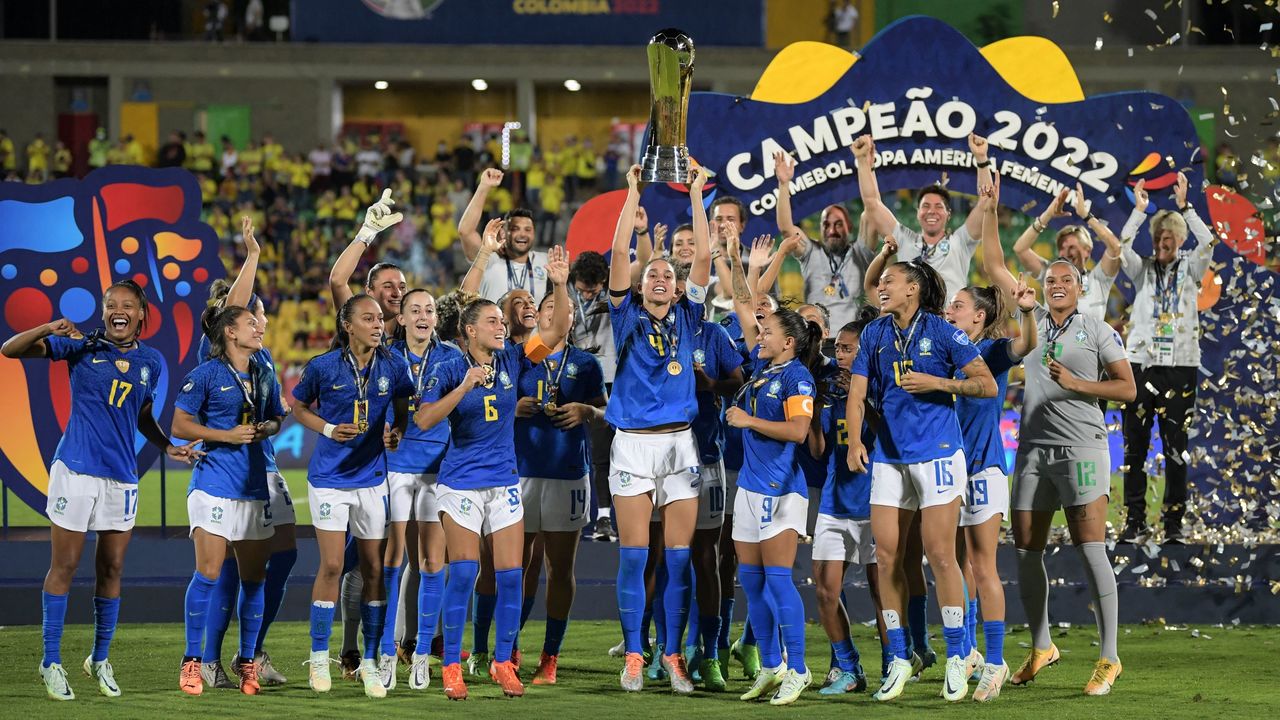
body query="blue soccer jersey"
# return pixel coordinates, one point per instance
(263, 357)
(654, 384)
(846, 494)
(917, 428)
(481, 449)
(980, 417)
(732, 447)
(218, 397)
(776, 393)
(542, 449)
(331, 380)
(421, 450)
(817, 471)
(715, 354)
(109, 388)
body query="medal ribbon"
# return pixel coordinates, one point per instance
(514, 281)
(250, 395)
(665, 328)
(1166, 290)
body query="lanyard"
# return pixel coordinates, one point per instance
(422, 368)
(837, 275)
(751, 388)
(903, 344)
(248, 387)
(362, 382)
(1053, 332)
(927, 250)
(489, 372)
(553, 384)
(514, 281)
(1166, 289)
(665, 328)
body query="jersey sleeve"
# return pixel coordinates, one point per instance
(61, 348)
(726, 355)
(800, 395)
(997, 356)
(959, 349)
(623, 315)
(593, 378)
(862, 361)
(1110, 346)
(308, 387)
(443, 380)
(192, 394)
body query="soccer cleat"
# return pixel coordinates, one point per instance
(955, 683)
(478, 663)
(766, 683)
(455, 688)
(1105, 674)
(712, 678)
(419, 672)
(618, 650)
(604, 531)
(404, 653)
(793, 683)
(318, 671)
(1035, 662)
(693, 661)
(104, 674)
(655, 671)
(248, 672)
(674, 664)
(56, 685)
(387, 671)
(632, 677)
(372, 679)
(894, 681)
(832, 675)
(724, 655)
(214, 675)
(749, 656)
(973, 665)
(846, 682)
(515, 658)
(351, 665)
(1133, 532)
(504, 673)
(993, 677)
(917, 668)
(189, 678)
(546, 672)
(267, 673)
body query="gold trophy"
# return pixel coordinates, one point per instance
(666, 159)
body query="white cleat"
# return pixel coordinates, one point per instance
(618, 650)
(215, 676)
(894, 680)
(387, 671)
(955, 683)
(318, 676)
(55, 682)
(372, 680)
(993, 677)
(104, 674)
(420, 672)
(267, 673)
(973, 665)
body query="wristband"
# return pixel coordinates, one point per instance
(1037, 225)
(1189, 208)
(986, 163)
(328, 430)
(1090, 218)
(642, 233)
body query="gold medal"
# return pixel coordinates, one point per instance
(488, 376)
(549, 408)
(673, 367)
(829, 290)
(361, 418)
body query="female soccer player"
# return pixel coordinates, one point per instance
(231, 403)
(774, 410)
(358, 387)
(654, 458)
(560, 398)
(1063, 458)
(477, 490)
(411, 473)
(919, 458)
(842, 532)
(93, 482)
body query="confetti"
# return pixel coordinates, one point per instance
(1055, 9)
(1097, 44)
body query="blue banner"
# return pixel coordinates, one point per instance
(527, 22)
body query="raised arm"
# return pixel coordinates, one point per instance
(31, 344)
(762, 257)
(377, 217)
(469, 224)
(871, 280)
(700, 273)
(1110, 262)
(881, 217)
(620, 258)
(562, 314)
(495, 237)
(978, 146)
(992, 254)
(784, 169)
(743, 299)
(1025, 298)
(1028, 258)
(644, 245)
(242, 289)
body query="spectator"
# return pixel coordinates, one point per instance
(133, 150)
(368, 160)
(464, 163)
(202, 154)
(38, 156)
(320, 160)
(215, 17)
(61, 161)
(172, 153)
(253, 19)
(230, 159)
(844, 18)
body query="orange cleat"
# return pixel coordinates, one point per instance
(249, 678)
(189, 680)
(455, 688)
(1105, 674)
(1035, 662)
(546, 673)
(632, 678)
(504, 673)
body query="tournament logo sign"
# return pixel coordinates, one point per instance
(61, 245)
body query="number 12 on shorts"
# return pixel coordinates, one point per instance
(1086, 470)
(942, 477)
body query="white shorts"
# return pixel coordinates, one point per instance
(279, 501)
(843, 539)
(553, 505)
(914, 486)
(757, 517)
(483, 512)
(711, 497)
(665, 464)
(81, 503)
(362, 510)
(988, 496)
(405, 497)
(229, 518)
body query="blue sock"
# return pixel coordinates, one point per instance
(526, 609)
(846, 654)
(918, 623)
(457, 590)
(430, 599)
(788, 609)
(321, 625)
(555, 635)
(278, 569)
(510, 589)
(953, 630)
(106, 612)
(54, 612)
(709, 629)
(675, 598)
(658, 605)
(481, 621)
(748, 632)
(760, 613)
(373, 617)
(631, 561)
(391, 583)
(726, 622)
(222, 604)
(197, 606)
(971, 625)
(993, 634)
(252, 606)
(896, 634)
